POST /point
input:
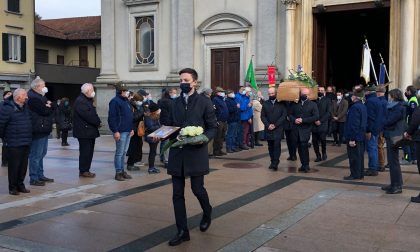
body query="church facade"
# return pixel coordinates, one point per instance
(146, 42)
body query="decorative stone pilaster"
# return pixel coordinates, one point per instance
(290, 34)
(407, 43)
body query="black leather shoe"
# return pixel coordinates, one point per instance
(24, 190)
(45, 179)
(324, 157)
(318, 158)
(415, 199)
(351, 178)
(371, 173)
(13, 192)
(394, 190)
(37, 183)
(205, 223)
(179, 238)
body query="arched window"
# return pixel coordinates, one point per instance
(145, 40)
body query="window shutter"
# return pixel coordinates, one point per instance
(18, 8)
(22, 49)
(5, 38)
(13, 5)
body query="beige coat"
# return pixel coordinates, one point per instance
(258, 124)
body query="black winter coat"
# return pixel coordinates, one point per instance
(273, 113)
(192, 160)
(15, 125)
(42, 116)
(86, 121)
(414, 125)
(64, 117)
(166, 106)
(325, 111)
(308, 111)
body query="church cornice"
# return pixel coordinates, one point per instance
(210, 25)
(140, 2)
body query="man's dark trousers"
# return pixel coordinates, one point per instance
(274, 148)
(394, 164)
(86, 148)
(17, 167)
(197, 186)
(316, 139)
(357, 159)
(220, 137)
(291, 145)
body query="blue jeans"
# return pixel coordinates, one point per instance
(372, 150)
(231, 136)
(121, 150)
(239, 135)
(39, 147)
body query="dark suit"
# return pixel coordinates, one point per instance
(273, 112)
(191, 160)
(288, 126)
(319, 133)
(301, 133)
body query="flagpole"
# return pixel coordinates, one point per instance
(386, 71)
(371, 61)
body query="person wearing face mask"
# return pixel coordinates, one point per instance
(7, 96)
(380, 92)
(246, 117)
(233, 122)
(135, 148)
(16, 132)
(120, 121)
(166, 106)
(222, 115)
(339, 118)
(273, 116)
(412, 103)
(320, 127)
(354, 133)
(64, 120)
(151, 123)
(42, 112)
(86, 124)
(239, 96)
(303, 115)
(190, 109)
(393, 129)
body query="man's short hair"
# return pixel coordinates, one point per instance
(412, 89)
(36, 82)
(190, 71)
(17, 92)
(85, 87)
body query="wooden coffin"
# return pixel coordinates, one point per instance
(289, 91)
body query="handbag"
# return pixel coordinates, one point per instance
(141, 129)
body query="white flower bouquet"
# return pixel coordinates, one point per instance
(189, 135)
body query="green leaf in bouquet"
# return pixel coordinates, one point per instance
(168, 145)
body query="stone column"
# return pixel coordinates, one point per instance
(108, 71)
(266, 35)
(407, 43)
(182, 36)
(290, 35)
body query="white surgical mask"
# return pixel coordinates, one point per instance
(92, 95)
(44, 90)
(339, 97)
(231, 95)
(174, 96)
(221, 94)
(139, 103)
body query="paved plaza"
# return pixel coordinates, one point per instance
(255, 209)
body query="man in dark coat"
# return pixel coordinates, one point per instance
(380, 92)
(273, 115)
(288, 128)
(413, 133)
(222, 115)
(16, 132)
(86, 123)
(166, 104)
(7, 96)
(320, 129)
(42, 112)
(303, 115)
(339, 118)
(354, 134)
(190, 109)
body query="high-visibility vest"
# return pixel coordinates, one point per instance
(414, 99)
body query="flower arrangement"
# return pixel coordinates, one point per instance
(301, 76)
(189, 135)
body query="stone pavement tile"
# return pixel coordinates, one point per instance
(410, 217)
(376, 197)
(230, 187)
(402, 238)
(271, 205)
(112, 222)
(268, 249)
(17, 212)
(64, 200)
(237, 223)
(202, 242)
(6, 250)
(68, 236)
(286, 242)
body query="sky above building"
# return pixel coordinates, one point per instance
(52, 9)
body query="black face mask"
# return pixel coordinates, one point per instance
(303, 97)
(272, 97)
(185, 87)
(320, 94)
(407, 95)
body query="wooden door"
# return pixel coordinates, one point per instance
(319, 60)
(225, 68)
(83, 56)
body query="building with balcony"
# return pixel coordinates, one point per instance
(67, 53)
(17, 64)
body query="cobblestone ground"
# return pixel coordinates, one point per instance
(255, 209)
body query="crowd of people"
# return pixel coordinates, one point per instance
(364, 119)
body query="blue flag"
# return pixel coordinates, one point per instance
(382, 74)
